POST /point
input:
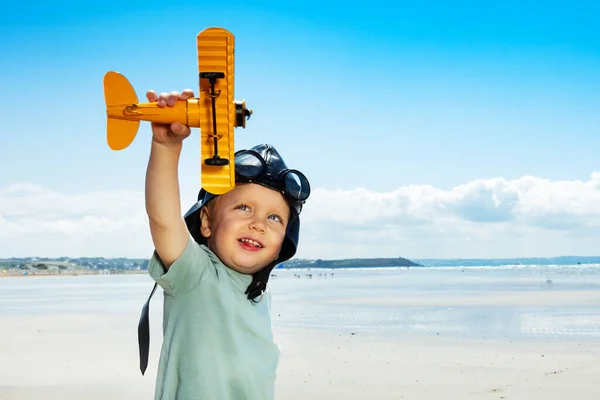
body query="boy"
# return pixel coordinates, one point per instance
(214, 265)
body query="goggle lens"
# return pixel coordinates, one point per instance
(296, 185)
(249, 165)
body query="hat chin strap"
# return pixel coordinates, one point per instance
(259, 282)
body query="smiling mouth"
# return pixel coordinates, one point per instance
(250, 242)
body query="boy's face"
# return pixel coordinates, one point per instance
(246, 227)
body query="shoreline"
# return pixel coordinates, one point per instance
(8, 273)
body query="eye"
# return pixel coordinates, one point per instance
(242, 207)
(276, 217)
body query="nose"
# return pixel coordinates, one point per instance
(257, 224)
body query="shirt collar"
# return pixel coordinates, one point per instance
(239, 280)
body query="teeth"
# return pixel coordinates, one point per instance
(250, 241)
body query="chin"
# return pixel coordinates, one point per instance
(247, 268)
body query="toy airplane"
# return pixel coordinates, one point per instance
(215, 111)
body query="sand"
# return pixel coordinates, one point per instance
(95, 357)
(364, 367)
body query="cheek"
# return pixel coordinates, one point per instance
(226, 229)
(279, 237)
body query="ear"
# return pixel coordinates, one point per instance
(205, 222)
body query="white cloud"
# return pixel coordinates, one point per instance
(36, 221)
(485, 218)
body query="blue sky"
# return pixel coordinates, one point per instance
(417, 105)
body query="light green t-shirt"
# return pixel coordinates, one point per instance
(217, 344)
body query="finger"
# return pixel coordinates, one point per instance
(186, 94)
(172, 98)
(180, 129)
(151, 95)
(162, 99)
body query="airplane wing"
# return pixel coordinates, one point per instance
(217, 111)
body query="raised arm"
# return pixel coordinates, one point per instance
(163, 205)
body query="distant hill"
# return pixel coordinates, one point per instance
(350, 263)
(455, 262)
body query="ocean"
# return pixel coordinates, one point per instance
(496, 303)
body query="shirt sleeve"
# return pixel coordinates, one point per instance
(185, 273)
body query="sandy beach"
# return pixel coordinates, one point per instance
(75, 355)
(71, 358)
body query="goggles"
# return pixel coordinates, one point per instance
(251, 167)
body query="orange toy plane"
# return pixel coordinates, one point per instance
(215, 111)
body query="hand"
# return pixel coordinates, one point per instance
(164, 133)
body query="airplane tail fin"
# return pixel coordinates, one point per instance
(118, 91)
